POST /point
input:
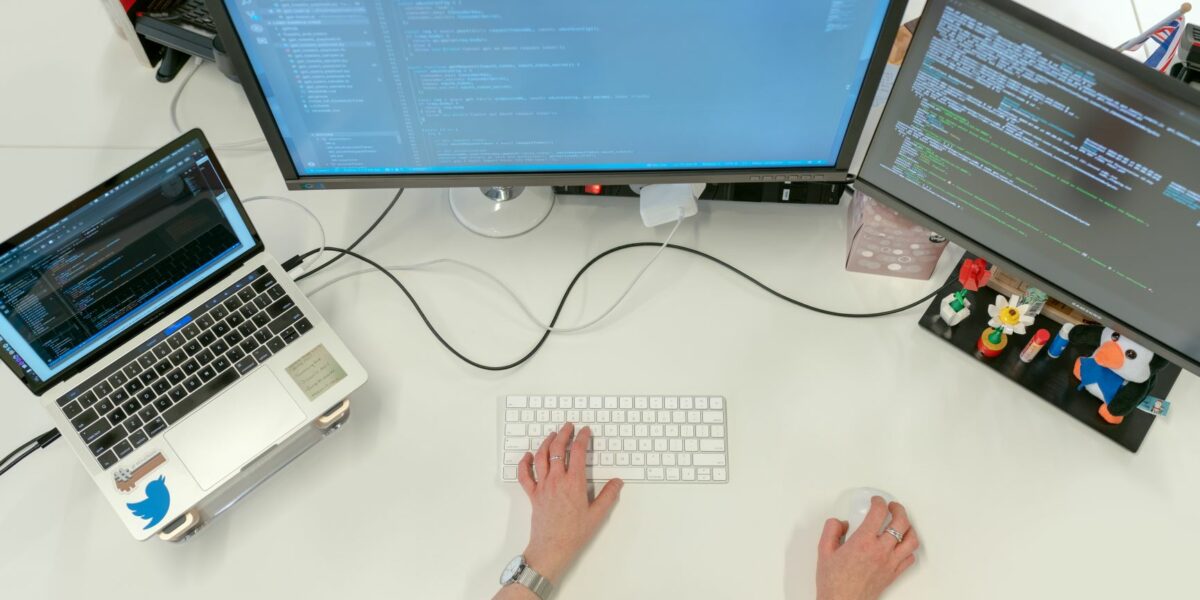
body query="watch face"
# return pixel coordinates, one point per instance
(512, 570)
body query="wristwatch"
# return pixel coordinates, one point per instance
(518, 571)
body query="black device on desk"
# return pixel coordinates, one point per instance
(1057, 158)
(182, 27)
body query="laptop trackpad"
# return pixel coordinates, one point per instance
(231, 430)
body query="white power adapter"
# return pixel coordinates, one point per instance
(664, 203)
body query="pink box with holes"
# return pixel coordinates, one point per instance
(883, 242)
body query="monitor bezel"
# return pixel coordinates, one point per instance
(839, 172)
(1154, 80)
(151, 320)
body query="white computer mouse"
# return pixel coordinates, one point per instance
(853, 505)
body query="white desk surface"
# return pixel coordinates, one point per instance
(1012, 498)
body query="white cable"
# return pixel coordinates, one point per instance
(321, 229)
(508, 290)
(175, 111)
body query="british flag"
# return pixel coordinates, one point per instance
(1168, 38)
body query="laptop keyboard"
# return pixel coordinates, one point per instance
(173, 373)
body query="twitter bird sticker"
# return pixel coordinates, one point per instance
(156, 504)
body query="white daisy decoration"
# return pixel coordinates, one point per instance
(1008, 314)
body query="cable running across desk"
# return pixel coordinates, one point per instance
(567, 293)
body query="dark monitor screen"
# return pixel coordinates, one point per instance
(437, 87)
(1073, 163)
(71, 284)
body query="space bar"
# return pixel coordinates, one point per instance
(200, 396)
(599, 473)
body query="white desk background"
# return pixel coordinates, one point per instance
(1012, 498)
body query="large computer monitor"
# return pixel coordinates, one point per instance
(1055, 156)
(456, 93)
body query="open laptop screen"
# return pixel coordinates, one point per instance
(74, 283)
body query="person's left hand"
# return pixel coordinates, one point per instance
(564, 520)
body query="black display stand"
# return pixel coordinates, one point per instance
(1049, 378)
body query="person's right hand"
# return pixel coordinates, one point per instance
(868, 562)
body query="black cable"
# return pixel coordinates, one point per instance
(28, 448)
(355, 243)
(567, 293)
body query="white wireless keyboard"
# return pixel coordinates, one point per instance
(654, 439)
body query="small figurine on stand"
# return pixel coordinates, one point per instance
(1120, 372)
(1008, 317)
(973, 275)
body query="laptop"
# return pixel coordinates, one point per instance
(168, 347)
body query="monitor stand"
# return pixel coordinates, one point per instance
(502, 211)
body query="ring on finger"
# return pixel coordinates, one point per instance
(555, 457)
(896, 534)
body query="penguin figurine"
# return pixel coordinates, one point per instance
(1120, 371)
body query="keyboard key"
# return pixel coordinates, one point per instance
(276, 292)
(233, 339)
(107, 460)
(285, 320)
(246, 365)
(155, 427)
(116, 416)
(303, 326)
(263, 336)
(708, 460)
(134, 386)
(205, 357)
(104, 406)
(207, 373)
(178, 357)
(221, 364)
(219, 347)
(176, 341)
(206, 338)
(147, 360)
(221, 329)
(146, 396)
(235, 355)
(280, 306)
(191, 330)
(192, 348)
(87, 399)
(137, 438)
(218, 313)
(205, 322)
(94, 431)
(162, 350)
(147, 413)
(232, 304)
(248, 345)
(132, 423)
(261, 319)
(263, 283)
(247, 310)
(175, 376)
(191, 366)
(200, 396)
(163, 367)
(163, 403)
(714, 416)
(87, 417)
(131, 406)
(123, 448)
(118, 379)
(161, 386)
(191, 384)
(262, 353)
(132, 369)
(248, 328)
(102, 389)
(289, 335)
(604, 473)
(234, 320)
(72, 410)
(262, 301)
(246, 294)
(177, 393)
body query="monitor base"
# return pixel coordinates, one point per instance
(501, 212)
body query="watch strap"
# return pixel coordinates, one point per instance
(540, 586)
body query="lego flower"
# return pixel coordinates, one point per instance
(1007, 314)
(974, 274)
